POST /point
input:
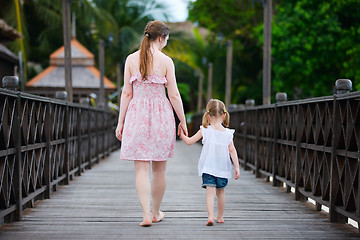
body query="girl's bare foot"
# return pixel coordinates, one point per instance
(158, 218)
(145, 223)
(210, 222)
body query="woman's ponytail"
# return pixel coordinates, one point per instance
(153, 30)
(145, 56)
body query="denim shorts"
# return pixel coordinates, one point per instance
(212, 181)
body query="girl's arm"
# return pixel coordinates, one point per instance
(126, 96)
(234, 159)
(191, 140)
(174, 95)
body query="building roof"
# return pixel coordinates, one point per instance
(8, 33)
(79, 55)
(5, 53)
(84, 73)
(82, 77)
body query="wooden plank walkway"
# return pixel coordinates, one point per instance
(102, 204)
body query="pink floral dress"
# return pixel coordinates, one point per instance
(149, 127)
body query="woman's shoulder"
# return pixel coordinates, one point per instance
(133, 56)
(165, 58)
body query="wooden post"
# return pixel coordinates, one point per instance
(299, 129)
(88, 125)
(119, 81)
(101, 67)
(276, 183)
(21, 71)
(67, 48)
(78, 133)
(257, 163)
(267, 52)
(248, 103)
(47, 167)
(18, 167)
(200, 91)
(210, 77)
(229, 56)
(343, 86)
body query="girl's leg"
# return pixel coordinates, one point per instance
(158, 188)
(142, 184)
(210, 197)
(220, 193)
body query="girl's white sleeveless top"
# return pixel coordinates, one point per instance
(215, 157)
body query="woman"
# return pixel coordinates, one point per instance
(146, 124)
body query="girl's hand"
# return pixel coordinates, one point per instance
(237, 173)
(118, 131)
(182, 128)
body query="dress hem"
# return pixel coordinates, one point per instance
(146, 160)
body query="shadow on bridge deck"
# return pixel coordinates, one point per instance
(102, 204)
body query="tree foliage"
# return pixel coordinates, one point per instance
(315, 43)
(95, 20)
(235, 20)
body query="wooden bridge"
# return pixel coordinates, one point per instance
(102, 204)
(299, 151)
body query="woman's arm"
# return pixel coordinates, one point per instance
(126, 96)
(191, 140)
(174, 95)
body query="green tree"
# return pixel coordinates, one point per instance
(191, 54)
(235, 20)
(315, 43)
(95, 19)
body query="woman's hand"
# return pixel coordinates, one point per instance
(182, 128)
(118, 131)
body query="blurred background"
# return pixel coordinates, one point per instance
(313, 42)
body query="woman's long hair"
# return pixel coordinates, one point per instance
(215, 108)
(153, 30)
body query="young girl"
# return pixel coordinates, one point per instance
(215, 164)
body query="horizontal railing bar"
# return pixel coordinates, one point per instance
(7, 211)
(32, 147)
(7, 152)
(58, 179)
(33, 195)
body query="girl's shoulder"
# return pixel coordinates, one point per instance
(230, 131)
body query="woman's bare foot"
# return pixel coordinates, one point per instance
(210, 222)
(159, 217)
(220, 220)
(145, 223)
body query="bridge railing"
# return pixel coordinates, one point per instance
(44, 142)
(312, 146)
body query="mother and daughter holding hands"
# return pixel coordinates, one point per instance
(146, 127)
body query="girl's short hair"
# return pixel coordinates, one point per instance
(153, 30)
(215, 108)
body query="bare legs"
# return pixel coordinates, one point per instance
(220, 193)
(145, 189)
(142, 184)
(210, 198)
(158, 188)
